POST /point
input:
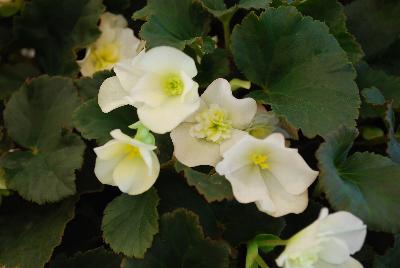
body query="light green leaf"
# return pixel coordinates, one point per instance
(173, 23)
(391, 258)
(375, 23)
(373, 96)
(332, 13)
(393, 145)
(181, 243)
(47, 176)
(55, 28)
(213, 188)
(309, 83)
(94, 258)
(130, 222)
(35, 114)
(94, 124)
(388, 85)
(365, 184)
(29, 233)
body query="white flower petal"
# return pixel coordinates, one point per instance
(148, 90)
(109, 150)
(345, 226)
(284, 202)
(247, 184)
(351, 263)
(191, 151)
(170, 114)
(128, 43)
(165, 59)
(110, 20)
(241, 111)
(112, 95)
(104, 169)
(119, 136)
(127, 74)
(131, 175)
(86, 65)
(236, 136)
(334, 251)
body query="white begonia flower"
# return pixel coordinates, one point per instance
(116, 43)
(326, 243)
(158, 83)
(264, 171)
(127, 163)
(202, 138)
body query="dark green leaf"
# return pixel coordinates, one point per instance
(392, 258)
(94, 258)
(393, 146)
(365, 184)
(130, 222)
(47, 176)
(219, 9)
(213, 65)
(94, 124)
(213, 188)
(375, 23)
(309, 83)
(181, 243)
(332, 13)
(88, 87)
(173, 23)
(35, 114)
(12, 76)
(373, 96)
(55, 28)
(30, 233)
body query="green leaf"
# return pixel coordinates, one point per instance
(309, 83)
(375, 24)
(388, 85)
(393, 146)
(94, 258)
(213, 65)
(181, 243)
(29, 233)
(373, 96)
(130, 222)
(173, 23)
(47, 176)
(12, 76)
(56, 28)
(213, 188)
(365, 184)
(10, 8)
(219, 9)
(35, 114)
(88, 87)
(242, 222)
(391, 258)
(332, 13)
(92, 123)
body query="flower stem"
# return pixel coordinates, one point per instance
(261, 262)
(227, 32)
(272, 243)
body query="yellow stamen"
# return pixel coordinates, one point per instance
(260, 160)
(132, 151)
(105, 56)
(173, 85)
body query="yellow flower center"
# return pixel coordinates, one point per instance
(132, 151)
(212, 125)
(105, 56)
(173, 85)
(260, 160)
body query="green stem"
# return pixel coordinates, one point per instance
(261, 262)
(272, 243)
(227, 32)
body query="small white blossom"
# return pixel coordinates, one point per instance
(158, 83)
(127, 163)
(202, 138)
(326, 243)
(264, 171)
(116, 43)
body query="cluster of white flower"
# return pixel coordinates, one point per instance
(215, 129)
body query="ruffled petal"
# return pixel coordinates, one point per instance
(191, 151)
(112, 95)
(241, 111)
(351, 263)
(236, 136)
(334, 251)
(165, 59)
(127, 74)
(128, 44)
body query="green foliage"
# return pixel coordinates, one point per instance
(181, 242)
(362, 183)
(391, 258)
(56, 28)
(29, 233)
(393, 145)
(373, 96)
(130, 222)
(310, 84)
(213, 65)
